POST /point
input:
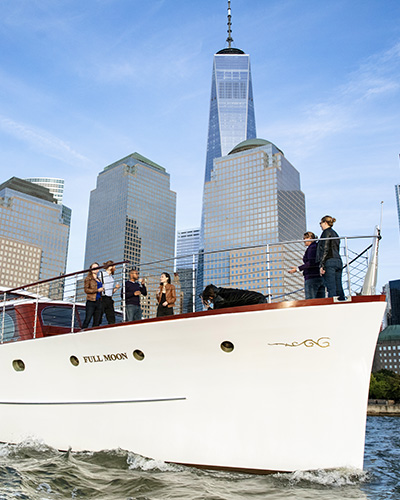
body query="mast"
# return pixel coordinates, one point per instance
(229, 39)
(369, 286)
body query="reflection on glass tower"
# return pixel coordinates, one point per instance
(34, 234)
(231, 117)
(231, 106)
(252, 200)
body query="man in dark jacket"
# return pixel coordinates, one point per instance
(134, 287)
(230, 297)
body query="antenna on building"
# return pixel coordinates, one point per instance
(229, 39)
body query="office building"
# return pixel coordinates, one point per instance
(19, 263)
(55, 186)
(187, 248)
(231, 118)
(387, 353)
(34, 231)
(392, 292)
(132, 214)
(253, 199)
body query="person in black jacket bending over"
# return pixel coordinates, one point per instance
(230, 297)
(328, 258)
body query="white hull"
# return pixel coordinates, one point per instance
(265, 406)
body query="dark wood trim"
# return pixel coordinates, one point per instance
(231, 469)
(258, 307)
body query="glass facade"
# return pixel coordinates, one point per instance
(55, 186)
(231, 117)
(19, 263)
(31, 221)
(231, 120)
(132, 216)
(254, 199)
(187, 246)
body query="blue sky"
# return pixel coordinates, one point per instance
(85, 83)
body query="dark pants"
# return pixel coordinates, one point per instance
(133, 312)
(164, 311)
(314, 288)
(107, 304)
(333, 278)
(93, 310)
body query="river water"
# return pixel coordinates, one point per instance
(36, 472)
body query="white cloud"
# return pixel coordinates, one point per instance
(44, 142)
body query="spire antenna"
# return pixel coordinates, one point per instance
(229, 39)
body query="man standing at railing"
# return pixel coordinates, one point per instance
(134, 287)
(107, 303)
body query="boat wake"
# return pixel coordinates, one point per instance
(331, 478)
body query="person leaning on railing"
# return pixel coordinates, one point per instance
(328, 258)
(314, 287)
(93, 288)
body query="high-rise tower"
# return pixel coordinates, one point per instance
(251, 204)
(34, 235)
(231, 118)
(132, 216)
(231, 106)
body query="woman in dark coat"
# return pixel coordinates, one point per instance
(328, 258)
(313, 283)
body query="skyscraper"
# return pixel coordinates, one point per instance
(34, 233)
(187, 245)
(231, 118)
(187, 248)
(132, 216)
(253, 199)
(54, 185)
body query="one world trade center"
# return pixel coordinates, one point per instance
(231, 106)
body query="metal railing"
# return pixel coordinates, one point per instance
(57, 305)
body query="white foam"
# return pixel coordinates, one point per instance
(335, 477)
(138, 462)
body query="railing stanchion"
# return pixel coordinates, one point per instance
(4, 316)
(193, 283)
(36, 312)
(124, 279)
(268, 276)
(347, 266)
(74, 305)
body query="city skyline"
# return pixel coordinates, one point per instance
(91, 83)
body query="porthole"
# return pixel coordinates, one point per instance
(18, 365)
(139, 355)
(227, 346)
(74, 360)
